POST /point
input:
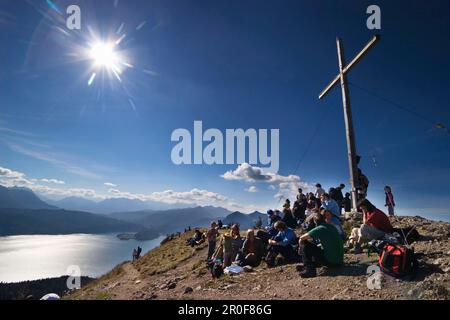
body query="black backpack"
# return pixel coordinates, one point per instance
(216, 268)
(408, 235)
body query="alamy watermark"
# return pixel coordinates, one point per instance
(74, 280)
(375, 278)
(236, 146)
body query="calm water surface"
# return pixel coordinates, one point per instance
(32, 257)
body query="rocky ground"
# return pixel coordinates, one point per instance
(175, 271)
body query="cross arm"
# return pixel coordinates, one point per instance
(349, 66)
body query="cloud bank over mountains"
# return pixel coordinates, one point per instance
(55, 188)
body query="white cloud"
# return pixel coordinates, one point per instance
(197, 197)
(287, 185)
(109, 184)
(71, 192)
(49, 181)
(246, 172)
(252, 189)
(7, 173)
(115, 193)
(194, 196)
(10, 178)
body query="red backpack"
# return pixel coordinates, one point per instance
(398, 260)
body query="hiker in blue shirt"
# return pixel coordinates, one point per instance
(282, 244)
(272, 219)
(331, 206)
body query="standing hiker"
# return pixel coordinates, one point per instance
(319, 192)
(211, 236)
(390, 204)
(347, 202)
(288, 217)
(339, 196)
(363, 184)
(302, 201)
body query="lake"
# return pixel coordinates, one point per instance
(32, 257)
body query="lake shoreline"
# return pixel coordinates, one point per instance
(38, 257)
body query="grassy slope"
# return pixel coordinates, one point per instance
(159, 260)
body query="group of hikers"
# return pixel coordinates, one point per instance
(309, 233)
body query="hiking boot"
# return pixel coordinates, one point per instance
(271, 263)
(300, 267)
(309, 272)
(357, 250)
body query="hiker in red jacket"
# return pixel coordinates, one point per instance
(390, 204)
(375, 225)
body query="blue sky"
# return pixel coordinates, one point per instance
(230, 64)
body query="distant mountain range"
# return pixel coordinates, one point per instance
(23, 212)
(45, 221)
(169, 221)
(106, 206)
(21, 198)
(245, 221)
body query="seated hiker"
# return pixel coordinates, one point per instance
(311, 208)
(298, 211)
(309, 223)
(252, 250)
(312, 199)
(211, 236)
(333, 220)
(330, 254)
(273, 217)
(301, 200)
(288, 218)
(287, 205)
(232, 243)
(375, 225)
(282, 244)
(332, 206)
(196, 239)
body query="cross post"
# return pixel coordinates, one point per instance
(349, 132)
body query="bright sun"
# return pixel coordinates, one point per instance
(104, 56)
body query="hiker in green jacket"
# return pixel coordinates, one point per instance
(332, 252)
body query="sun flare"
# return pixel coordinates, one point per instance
(104, 55)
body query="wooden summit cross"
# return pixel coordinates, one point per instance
(350, 135)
